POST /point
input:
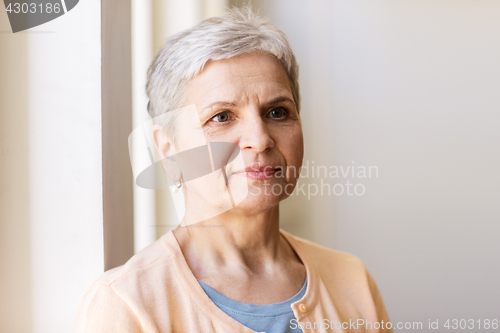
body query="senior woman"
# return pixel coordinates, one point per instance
(229, 267)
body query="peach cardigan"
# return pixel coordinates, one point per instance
(155, 291)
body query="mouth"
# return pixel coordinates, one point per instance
(261, 172)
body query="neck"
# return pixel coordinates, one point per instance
(235, 239)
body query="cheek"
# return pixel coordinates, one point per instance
(291, 144)
(222, 134)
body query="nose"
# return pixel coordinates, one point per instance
(255, 135)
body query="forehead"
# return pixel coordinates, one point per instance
(250, 74)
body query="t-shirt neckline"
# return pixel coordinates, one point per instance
(265, 310)
(189, 281)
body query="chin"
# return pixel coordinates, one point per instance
(257, 199)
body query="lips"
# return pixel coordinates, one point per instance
(261, 172)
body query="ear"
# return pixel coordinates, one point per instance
(166, 148)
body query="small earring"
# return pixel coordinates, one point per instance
(178, 185)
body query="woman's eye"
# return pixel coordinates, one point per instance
(277, 113)
(221, 117)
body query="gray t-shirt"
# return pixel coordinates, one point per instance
(272, 318)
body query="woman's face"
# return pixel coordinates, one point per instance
(246, 100)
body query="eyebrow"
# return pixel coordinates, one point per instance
(279, 100)
(220, 103)
(231, 104)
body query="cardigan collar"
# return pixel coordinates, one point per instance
(300, 308)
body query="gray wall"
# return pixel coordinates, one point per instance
(411, 87)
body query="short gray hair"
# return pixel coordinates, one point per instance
(238, 31)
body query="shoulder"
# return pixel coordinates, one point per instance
(344, 277)
(101, 303)
(131, 293)
(323, 258)
(341, 273)
(144, 265)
